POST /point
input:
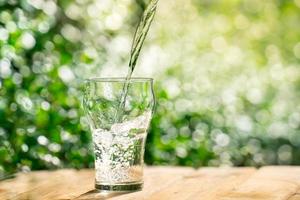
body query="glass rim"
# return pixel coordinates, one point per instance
(119, 79)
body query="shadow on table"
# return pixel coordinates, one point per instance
(97, 195)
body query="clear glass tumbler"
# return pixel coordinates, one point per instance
(119, 129)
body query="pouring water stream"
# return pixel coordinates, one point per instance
(137, 44)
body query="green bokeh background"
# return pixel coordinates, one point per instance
(227, 79)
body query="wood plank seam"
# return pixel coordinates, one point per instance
(295, 194)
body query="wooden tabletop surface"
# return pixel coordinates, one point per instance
(170, 183)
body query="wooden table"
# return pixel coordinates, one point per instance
(170, 183)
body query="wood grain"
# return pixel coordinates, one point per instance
(43, 185)
(203, 184)
(157, 179)
(176, 183)
(268, 183)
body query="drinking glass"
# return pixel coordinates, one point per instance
(119, 112)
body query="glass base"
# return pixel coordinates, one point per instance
(126, 187)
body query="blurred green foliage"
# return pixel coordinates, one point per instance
(227, 79)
